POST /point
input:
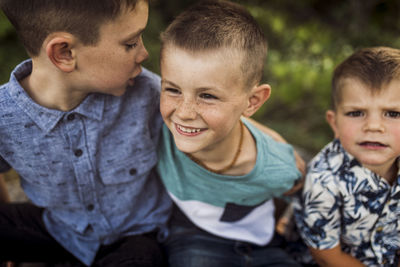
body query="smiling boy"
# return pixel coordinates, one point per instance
(80, 124)
(220, 170)
(351, 200)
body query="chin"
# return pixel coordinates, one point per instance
(186, 148)
(372, 162)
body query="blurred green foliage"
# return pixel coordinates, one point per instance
(306, 38)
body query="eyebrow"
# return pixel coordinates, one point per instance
(199, 89)
(364, 107)
(170, 83)
(133, 35)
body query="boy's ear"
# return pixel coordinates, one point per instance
(59, 50)
(258, 95)
(331, 119)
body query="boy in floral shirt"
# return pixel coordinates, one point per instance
(349, 211)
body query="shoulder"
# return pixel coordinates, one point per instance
(6, 106)
(324, 166)
(278, 153)
(332, 157)
(3, 94)
(9, 92)
(336, 172)
(274, 159)
(331, 163)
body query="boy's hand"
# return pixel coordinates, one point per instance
(334, 257)
(298, 185)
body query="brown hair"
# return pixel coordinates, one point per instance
(217, 24)
(34, 20)
(374, 67)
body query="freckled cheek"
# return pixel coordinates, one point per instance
(166, 106)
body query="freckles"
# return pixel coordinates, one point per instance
(166, 106)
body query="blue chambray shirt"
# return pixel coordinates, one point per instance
(91, 168)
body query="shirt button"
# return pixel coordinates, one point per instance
(78, 152)
(132, 171)
(71, 117)
(90, 207)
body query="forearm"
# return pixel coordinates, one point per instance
(4, 197)
(334, 258)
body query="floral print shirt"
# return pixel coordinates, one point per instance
(347, 204)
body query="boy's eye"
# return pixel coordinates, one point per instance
(393, 114)
(208, 96)
(354, 113)
(171, 90)
(130, 46)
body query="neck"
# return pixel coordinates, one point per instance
(47, 87)
(224, 157)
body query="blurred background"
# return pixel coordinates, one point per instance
(307, 39)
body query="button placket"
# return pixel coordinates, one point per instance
(84, 176)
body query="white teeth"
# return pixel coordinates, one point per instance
(187, 130)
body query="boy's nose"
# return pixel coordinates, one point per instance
(143, 54)
(374, 123)
(185, 110)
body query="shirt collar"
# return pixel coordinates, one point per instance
(91, 107)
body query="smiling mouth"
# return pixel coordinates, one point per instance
(188, 130)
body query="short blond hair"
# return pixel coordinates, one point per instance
(212, 25)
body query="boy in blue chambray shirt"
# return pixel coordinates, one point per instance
(80, 124)
(350, 206)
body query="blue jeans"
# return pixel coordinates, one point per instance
(189, 246)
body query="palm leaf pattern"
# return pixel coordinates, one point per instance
(348, 205)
